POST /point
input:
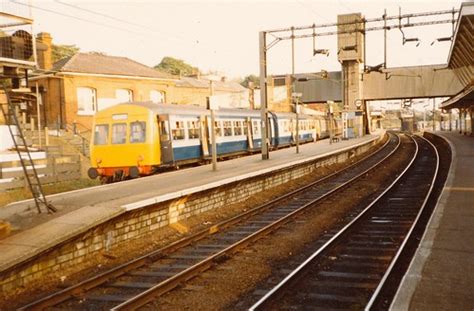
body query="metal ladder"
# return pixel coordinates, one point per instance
(29, 170)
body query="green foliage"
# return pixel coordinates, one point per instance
(98, 53)
(60, 51)
(176, 67)
(251, 78)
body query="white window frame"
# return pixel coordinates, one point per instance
(84, 107)
(128, 92)
(154, 94)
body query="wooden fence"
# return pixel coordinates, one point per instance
(51, 170)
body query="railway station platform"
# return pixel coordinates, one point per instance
(84, 209)
(441, 275)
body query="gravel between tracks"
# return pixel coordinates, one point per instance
(231, 286)
(224, 285)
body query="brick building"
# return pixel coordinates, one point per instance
(74, 88)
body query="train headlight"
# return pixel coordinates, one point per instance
(141, 158)
(98, 160)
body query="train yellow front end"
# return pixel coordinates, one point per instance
(124, 144)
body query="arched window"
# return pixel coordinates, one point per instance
(124, 95)
(157, 96)
(86, 101)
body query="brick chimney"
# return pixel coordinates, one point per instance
(44, 50)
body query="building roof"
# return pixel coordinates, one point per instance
(227, 86)
(108, 65)
(317, 89)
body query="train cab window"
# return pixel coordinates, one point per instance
(101, 134)
(119, 133)
(178, 130)
(237, 128)
(217, 127)
(137, 132)
(227, 128)
(193, 129)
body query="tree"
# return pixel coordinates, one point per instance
(98, 53)
(60, 51)
(251, 78)
(176, 67)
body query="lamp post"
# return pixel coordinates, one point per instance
(329, 102)
(296, 97)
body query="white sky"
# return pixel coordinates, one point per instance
(223, 35)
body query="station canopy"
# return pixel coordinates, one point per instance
(461, 58)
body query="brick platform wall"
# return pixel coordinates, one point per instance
(140, 223)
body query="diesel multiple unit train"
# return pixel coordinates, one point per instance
(138, 139)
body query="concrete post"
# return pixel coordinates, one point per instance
(263, 94)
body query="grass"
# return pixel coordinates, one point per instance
(23, 194)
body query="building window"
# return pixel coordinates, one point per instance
(101, 134)
(124, 95)
(178, 130)
(137, 132)
(157, 96)
(86, 101)
(119, 133)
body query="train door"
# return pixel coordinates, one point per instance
(203, 135)
(165, 139)
(248, 124)
(270, 132)
(274, 133)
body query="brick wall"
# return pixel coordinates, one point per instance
(63, 91)
(139, 223)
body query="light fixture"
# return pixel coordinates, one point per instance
(378, 68)
(321, 51)
(405, 40)
(443, 39)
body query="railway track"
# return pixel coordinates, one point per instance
(350, 269)
(135, 283)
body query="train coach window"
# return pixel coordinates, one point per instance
(193, 129)
(237, 128)
(164, 130)
(256, 127)
(137, 132)
(119, 133)
(227, 128)
(178, 130)
(217, 126)
(101, 134)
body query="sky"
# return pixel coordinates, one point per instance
(222, 35)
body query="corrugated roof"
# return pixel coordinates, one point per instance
(109, 65)
(227, 86)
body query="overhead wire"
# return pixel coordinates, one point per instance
(174, 38)
(73, 17)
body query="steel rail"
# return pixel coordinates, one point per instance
(430, 218)
(146, 296)
(408, 236)
(80, 288)
(280, 286)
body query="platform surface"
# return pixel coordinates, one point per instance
(441, 275)
(83, 209)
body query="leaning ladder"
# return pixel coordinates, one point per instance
(29, 170)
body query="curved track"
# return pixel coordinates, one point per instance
(351, 268)
(137, 282)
